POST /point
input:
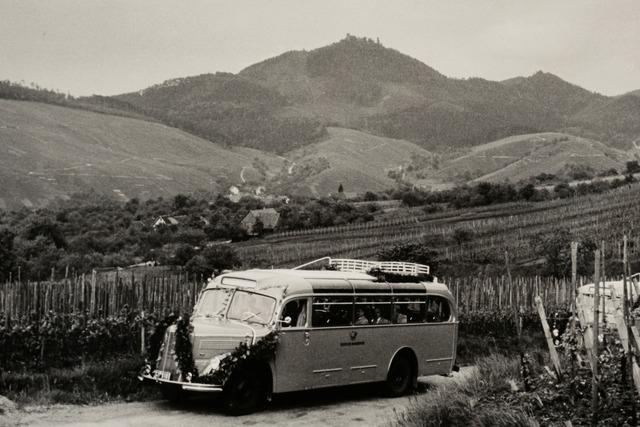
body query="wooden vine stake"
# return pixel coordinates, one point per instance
(516, 310)
(632, 367)
(596, 321)
(574, 285)
(555, 360)
(603, 277)
(142, 343)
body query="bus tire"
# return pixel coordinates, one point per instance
(245, 392)
(172, 393)
(401, 377)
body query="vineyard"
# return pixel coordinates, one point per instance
(494, 229)
(61, 323)
(100, 296)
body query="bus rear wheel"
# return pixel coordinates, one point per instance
(401, 376)
(245, 392)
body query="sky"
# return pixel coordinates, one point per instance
(85, 47)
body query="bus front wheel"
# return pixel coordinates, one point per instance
(245, 392)
(172, 393)
(401, 376)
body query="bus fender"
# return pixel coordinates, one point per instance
(410, 354)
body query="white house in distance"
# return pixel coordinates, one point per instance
(167, 220)
(175, 220)
(269, 218)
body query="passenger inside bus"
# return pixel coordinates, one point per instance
(437, 310)
(332, 311)
(379, 319)
(361, 319)
(401, 317)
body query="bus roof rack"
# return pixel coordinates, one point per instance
(365, 266)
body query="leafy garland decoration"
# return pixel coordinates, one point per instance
(154, 343)
(184, 351)
(242, 356)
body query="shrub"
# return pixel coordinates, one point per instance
(114, 378)
(473, 403)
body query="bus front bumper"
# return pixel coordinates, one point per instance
(197, 387)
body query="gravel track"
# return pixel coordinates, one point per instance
(353, 406)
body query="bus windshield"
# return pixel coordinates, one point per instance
(213, 303)
(250, 307)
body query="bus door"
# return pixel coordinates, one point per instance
(331, 321)
(370, 340)
(308, 353)
(441, 332)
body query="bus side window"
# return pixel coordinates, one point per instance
(437, 309)
(297, 311)
(332, 311)
(373, 310)
(409, 309)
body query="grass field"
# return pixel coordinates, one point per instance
(50, 151)
(520, 157)
(358, 160)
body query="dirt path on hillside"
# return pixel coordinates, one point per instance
(352, 406)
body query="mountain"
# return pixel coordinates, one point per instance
(51, 151)
(615, 120)
(286, 102)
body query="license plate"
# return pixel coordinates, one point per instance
(162, 375)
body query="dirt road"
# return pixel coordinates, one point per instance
(361, 405)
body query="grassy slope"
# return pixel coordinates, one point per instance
(523, 156)
(50, 151)
(358, 160)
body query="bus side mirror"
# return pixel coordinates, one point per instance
(286, 321)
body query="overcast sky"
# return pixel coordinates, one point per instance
(109, 47)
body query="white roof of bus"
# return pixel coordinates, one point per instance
(286, 277)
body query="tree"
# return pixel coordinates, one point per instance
(633, 167)
(555, 249)
(563, 190)
(409, 252)
(461, 235)
(213, 260)
(370, 196)
(181, 201)
(183, 255)
(340, 189)
(527, 192)
(46, 228)
(7, 256)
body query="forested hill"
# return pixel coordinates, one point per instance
(96, 103)
(229, 109)
(285, 102)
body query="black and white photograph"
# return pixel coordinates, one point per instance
(411, 213)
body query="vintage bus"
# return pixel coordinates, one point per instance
(337, 326)
(611, 294)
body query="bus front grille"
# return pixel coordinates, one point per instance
(166, 359)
